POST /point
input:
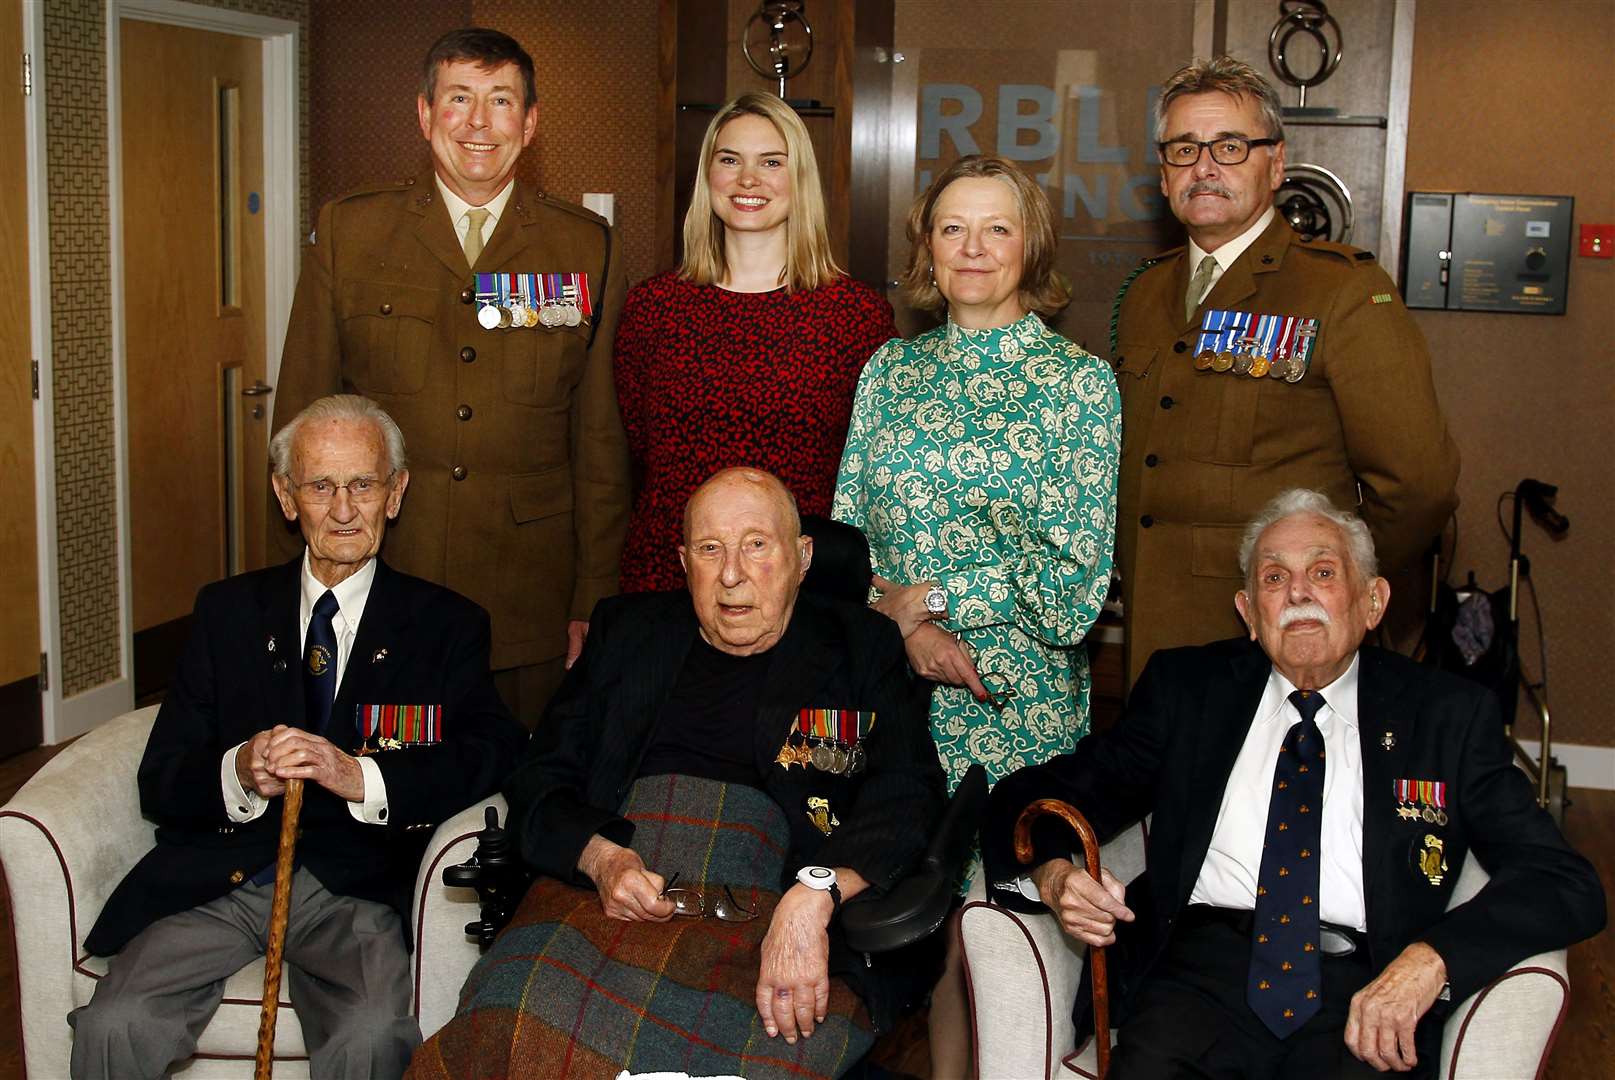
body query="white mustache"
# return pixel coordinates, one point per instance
(1311, 611)
(1208, 187)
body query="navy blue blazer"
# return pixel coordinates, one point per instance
(418, 644)
(1174, 750)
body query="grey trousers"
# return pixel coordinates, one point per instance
(348, 977)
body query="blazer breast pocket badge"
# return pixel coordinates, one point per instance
(830, 740)
(526, 301)
(393, 727)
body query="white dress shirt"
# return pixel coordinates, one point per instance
(1228, 875)
(242, 805)
(1225, 255)
(458, 209)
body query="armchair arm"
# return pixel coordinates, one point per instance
(444, 955)
(1508, 1027)
(919, 903)
(66, 840)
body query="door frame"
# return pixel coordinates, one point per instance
(65, 718)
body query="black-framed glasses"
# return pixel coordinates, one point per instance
(361, 489)
(1229, 150)
(1002, 697)
(697, 904)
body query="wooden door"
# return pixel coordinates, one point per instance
(193, 258)
(19, 568)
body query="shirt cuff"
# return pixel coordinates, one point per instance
(240, 805)
(372, 809)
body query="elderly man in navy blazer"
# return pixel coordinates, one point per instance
(370, 685)
(1313, 799)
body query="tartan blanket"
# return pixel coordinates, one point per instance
(565, 991)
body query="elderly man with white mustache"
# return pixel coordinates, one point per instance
(1313, 799)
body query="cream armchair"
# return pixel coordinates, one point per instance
(1023, 973)
(75, 830)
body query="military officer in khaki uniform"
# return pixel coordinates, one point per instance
(1206, 441)
(518, 463)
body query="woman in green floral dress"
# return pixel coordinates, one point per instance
(981, 464)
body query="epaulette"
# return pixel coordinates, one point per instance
(572, 208)
(376, 189)
(1127, 283)
(1343, 251)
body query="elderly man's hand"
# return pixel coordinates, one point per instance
(253, 770)
(292, 753)
(1379, 1028)
(793, 987)
(627, 890)
(1087, 909)
(935, 654)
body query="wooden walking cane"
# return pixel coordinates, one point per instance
(279, 911)
(1096, 956)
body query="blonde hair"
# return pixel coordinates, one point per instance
(1043, 289)
(808, 262)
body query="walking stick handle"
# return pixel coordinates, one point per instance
(1096, 956)
(279, 911)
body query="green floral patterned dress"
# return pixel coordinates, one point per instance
(986, 460)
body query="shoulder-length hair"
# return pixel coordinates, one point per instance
(808, 262)
(1043, 289)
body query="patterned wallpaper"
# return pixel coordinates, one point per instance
(597, 85)
(75, 82)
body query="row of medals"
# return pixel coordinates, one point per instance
(1247, 361)
(831, 756)
(1430, 815)
(517, 315)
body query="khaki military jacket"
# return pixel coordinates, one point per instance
(519, 493)
(1203, 450)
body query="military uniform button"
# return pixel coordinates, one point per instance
(467, 295)
(1267, 260)
(1150, 461)
(237, 877)
(1146, 521)
(463, 412)
(1180, 346)
(410, 182)
(458, 472)
(386, 309)
(467, 355)
(1167, 402)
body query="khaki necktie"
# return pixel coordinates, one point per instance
(473, 234)
(1198, 286)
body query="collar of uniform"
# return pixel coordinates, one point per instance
(457, 206)
(1340, 700)
(1229, 253)
(352, 592)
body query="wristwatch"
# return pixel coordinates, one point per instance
(936, 600)
(823, 879)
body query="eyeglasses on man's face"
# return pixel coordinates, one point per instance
(696, 903)
(1229, 150)
(361, 489)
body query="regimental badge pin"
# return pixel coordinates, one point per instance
(1387, 741)
(819, 812)
(270, 645)
(378, 656)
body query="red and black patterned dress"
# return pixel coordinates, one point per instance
(709, 379)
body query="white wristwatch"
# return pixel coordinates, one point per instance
(823, 879)
(936, 600)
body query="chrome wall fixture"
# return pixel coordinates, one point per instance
(1315, 202)
(778, 42)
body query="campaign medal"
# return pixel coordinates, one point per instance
(1306, 336)
(1428, 856)
(394, 727)
(1245, 357)
(488, 310)
(1203, 359)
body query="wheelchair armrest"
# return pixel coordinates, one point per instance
(917, 905)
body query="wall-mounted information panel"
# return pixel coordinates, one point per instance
(1468, 252)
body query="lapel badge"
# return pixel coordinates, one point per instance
(1387, 741)
(270, 646)
(378, 656)
(818, 812)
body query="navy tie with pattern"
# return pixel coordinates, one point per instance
(1286, 973)
(319, 665)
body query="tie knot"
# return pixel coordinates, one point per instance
(476, 217)
(1307, 703)
(326, 606)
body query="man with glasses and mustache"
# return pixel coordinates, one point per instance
(722, 769)
(1251, 360)
(369, 685)
(1313, 800)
